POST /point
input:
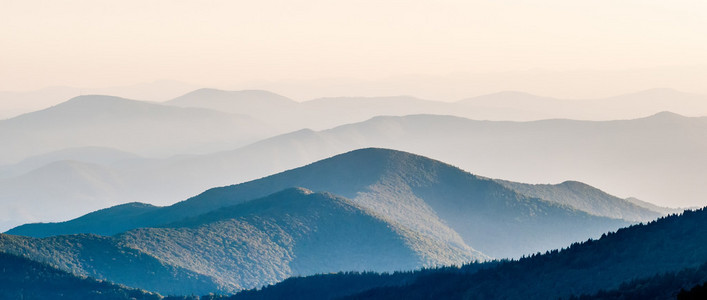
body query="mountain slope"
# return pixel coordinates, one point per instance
(662, 256)
(441, 202)
(21, 278)
(670, 244)
(264, 241)
(119, 215)
(140, 127)
(104, 258)
(585, 198)
(293, 232)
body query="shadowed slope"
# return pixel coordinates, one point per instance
(21, 278)
(103, 258)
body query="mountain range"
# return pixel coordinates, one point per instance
(620, 157)
(323, 113)
(425, 195)
(292, 232)
(17, 103)
(372, 209)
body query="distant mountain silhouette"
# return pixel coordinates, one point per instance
(21, 278)
(627, 106)
(17, 103)
(663, 256)
(439, 201)
(328, 112)
(93, 155)
(325, 113)
(653, 207)
(321, 113)
(231, 101)
(262, 105)
(134, 126)
(62, 188)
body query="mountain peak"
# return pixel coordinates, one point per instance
(96, 99)
(210, 94)
(666, 115)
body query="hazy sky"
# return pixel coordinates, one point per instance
(236, 43)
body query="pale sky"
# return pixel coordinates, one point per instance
(232, 43)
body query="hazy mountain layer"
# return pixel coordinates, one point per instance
(16, 103)
(92, 155)
(328, 112)
(658, 159)
(62, 188)
(321, 113)
(620, 157)
(627, 106)
(134, 126)
(438, 201)
(276, 110)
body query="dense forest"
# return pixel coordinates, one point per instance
(662, 286)
(347, 283)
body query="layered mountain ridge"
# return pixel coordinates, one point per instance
(429, 197)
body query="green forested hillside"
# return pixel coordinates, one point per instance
(105, 259)
(292, 232)
(21, 278)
